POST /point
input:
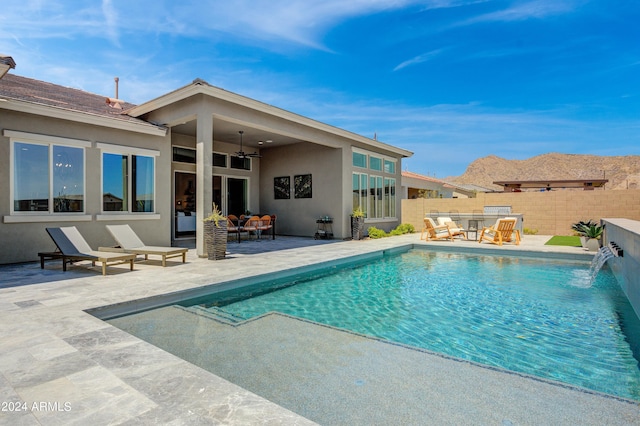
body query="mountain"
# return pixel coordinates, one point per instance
(623, 172)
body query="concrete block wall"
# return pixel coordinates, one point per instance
(550, 212)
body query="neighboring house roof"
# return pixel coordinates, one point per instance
(201, 87)
(467, 189)
(444, 184)
(552, 184)
(413, 175)
(39, 97)
(474, 188)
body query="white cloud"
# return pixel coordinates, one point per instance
(536, 9)
(111, 21)
(419, 59)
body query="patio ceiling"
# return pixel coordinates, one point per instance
(227, 131)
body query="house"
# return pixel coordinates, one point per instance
(415, 185)
(68, 157)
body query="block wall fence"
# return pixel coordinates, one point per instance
(549, 212)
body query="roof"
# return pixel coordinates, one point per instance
(199, 86)
(409, 174)
(18, 93)
(554, 184)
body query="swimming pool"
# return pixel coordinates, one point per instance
(526, 315)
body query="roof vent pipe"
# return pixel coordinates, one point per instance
(116, 80)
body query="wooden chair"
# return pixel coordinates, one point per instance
(501, 232)
(431, 231)
(455, 229)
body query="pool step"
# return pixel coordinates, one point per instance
(217, 314)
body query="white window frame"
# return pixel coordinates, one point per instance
(49, 141)
(107, 148)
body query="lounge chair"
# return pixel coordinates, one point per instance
(455, 228)
(71, 246)
(501, 232)
(434, 232)
(129, 242)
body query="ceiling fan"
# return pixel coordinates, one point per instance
(242, 154)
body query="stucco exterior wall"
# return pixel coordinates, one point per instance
(549, 212)
(297, 216)
(22, 241)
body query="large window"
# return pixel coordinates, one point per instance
(128, 179)
(47, 173)
(374, 193)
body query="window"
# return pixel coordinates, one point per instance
(240, 163)
(390, 197)
(184, 155)
(219, 160)
(389, 166)
(47, 173)
(375, 197)
(375, 163)
(359, 160)
(360, 191)
(128, 179)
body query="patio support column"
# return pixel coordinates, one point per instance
(204, 171)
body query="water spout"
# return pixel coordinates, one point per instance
(601, 257)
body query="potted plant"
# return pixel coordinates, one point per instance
(215, 234)
(579, 229)
(593, 233)
(357, 224)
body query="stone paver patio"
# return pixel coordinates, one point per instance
(61, 365)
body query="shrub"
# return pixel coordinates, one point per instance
(529, 231)
(403, 228)
(376, 233)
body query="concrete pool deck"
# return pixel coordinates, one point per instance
(61, 365)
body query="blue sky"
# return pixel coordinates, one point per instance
(450, 80)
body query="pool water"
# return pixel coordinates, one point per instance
(534, 316)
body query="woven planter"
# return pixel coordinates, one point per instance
(215, 239)
(357, 228)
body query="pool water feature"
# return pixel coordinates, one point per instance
(527, 315)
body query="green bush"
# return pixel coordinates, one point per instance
(403, 228)
(529, 231)
(376, 233)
